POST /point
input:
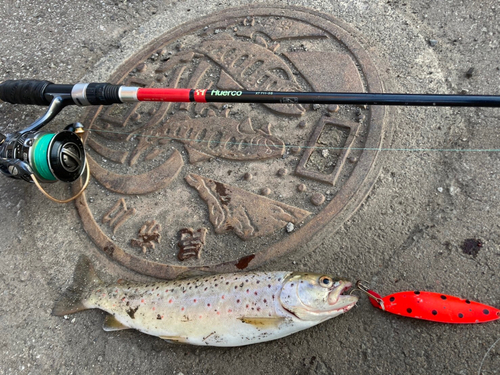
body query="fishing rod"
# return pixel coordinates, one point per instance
(32, 155)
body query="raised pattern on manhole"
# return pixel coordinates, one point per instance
(161, 169)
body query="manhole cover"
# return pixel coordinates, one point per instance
(217, 187)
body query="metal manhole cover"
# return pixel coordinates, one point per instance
(226, 187)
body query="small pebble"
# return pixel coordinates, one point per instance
(295, 149)
(301, 188)
(433, 42)
(317, 199)
(333, 108)
(265, 191)
(469, 72)
(302, 124)
(440, 189)
(282, 172)
(247, 176)
(325, 153)
(141, 67)
(316, 107)
(290, 227)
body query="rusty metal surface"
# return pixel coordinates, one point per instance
(240, 172)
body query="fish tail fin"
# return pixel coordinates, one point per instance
(84, 279)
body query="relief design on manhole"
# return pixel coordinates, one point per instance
(218, 187)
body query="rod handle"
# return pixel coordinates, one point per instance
(25, 91)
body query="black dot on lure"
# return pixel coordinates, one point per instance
(471, 246)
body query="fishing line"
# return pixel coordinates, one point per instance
(288, 146)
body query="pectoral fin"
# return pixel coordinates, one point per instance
(175, 339)
(259, 322)
(111, 324)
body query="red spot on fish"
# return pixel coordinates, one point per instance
(222, 297)
(258, 308)
(166, 290)
(158, 295)
(154, 308)
(265, 300)
(123, 299)
(208, 304)
(218, 312)
(229, 311)
(142, 300)
(237, 301)
(182, 309)
(247, 306)
(169, 301)
(255, 293)
(200, 317)
(194, 300)
(248, 290)
(104, 294)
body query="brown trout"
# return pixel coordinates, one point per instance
(232, 309)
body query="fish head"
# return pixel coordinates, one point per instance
(315, 297)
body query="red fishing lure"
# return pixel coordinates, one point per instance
(433, 306)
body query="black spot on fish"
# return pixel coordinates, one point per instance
(443, 297)
(486, 311)
(416, 292)
(392, 299)
(467, 301)
(409, 310)
(434, 312)
(460, 315)
(131, 312)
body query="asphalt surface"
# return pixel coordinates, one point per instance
(438, 188)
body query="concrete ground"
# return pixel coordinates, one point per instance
(408, 234)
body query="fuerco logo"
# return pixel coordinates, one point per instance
(226, 93)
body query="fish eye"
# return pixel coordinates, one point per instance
(325, 281)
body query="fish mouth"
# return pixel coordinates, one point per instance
(339, 298)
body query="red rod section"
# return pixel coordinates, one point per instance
(163, 95)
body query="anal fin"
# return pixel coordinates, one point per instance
(175, 339)
(112, 324)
